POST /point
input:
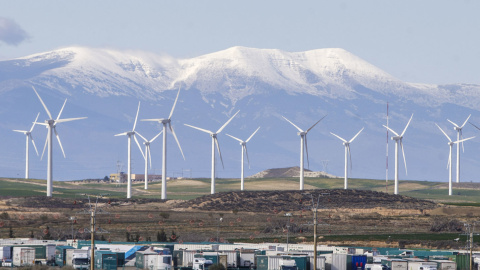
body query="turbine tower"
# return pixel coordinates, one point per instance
(347, 154)
(51, 124)
(449, 164)
(131, 134)
(303, 145)
(29, 137)
(459, 137)
(398, 141)
(148, 156)
(244, 150)
(164, 122)
(214, 142)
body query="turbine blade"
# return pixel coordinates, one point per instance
(224, 125)
(338, 137)
(34, 122)
(350, 155)
(154, 138)
(21, 131)
(462, 140)
(405, 129)
(391, 130)
(59, 142)
(201, 129)
(306, 150)
(143, 138)
(176, 139)
(246, 153)
(33, 142)
(449, 157)
(315, 124)
(474, 125)
(121, 134)
(461, 137)
(136, 117)
(61, 110)
(404, 159)
(149, 156)
(444, 133)
(252, 134)
(299, 129)
(44, 106)
(453, 123)
(44, 147)
(175, 103)
(69, 119)
(466, 121)
(139, 147)
(219, 152)
(235, 138)
(152, 120)
(356, 135)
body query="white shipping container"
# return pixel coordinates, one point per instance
(274, 262)
(328, 261)
(23, 256)
(188, 256)
(69, 256)
(5, 253)
(247, 259)
(339, 262)
(416, 265)
(320, 262)
(50, 250)
(231, 257)
(398, 264)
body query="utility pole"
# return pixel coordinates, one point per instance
(315, 223)
(470, 228)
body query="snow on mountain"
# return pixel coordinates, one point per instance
(264, 84)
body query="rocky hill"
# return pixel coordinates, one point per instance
(290, 172)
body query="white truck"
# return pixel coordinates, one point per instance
(286, 264)
(201, 264)
(79, 259)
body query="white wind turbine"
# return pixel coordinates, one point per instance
(459, 137)
(449, 164)
(398, 141)
(51, 124)
(214, 142)
(347, 154)
(131, 134)
(148, 156)
(164, 122)
(29, 137)
(244, 150)
(303, 145)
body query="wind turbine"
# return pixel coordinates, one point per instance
(164, 153)
(131, 134)
(28, 134)
(449, 165)
(303, 145)
(459, 137)
(51, 124)
(148, 156)
(398, 141)
(347, 153)
(214, 142)
(244, 150)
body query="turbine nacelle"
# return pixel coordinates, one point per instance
(397, 138)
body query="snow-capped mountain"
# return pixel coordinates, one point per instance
(263, 84)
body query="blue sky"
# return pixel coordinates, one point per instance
(428, 41)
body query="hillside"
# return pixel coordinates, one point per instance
(289, 172)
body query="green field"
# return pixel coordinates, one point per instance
(464, 194)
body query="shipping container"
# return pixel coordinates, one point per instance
(23, 256)
(262, 262)
(339, 261)
(421, 265)
(177, 257)
(5, 253)
(274, 262)
(396, 264)
(356, 262)
(301, 262)
(61, 255)
(247, 259)
(445, 265)
(106, 260)
(145, 259)
(320, 263)
(463, 261)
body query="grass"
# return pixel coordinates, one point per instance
(193, 188)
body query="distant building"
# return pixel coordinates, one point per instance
(122, 177)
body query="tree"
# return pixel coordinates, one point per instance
(10, 233)
(174, 237)
(161, 236)
(217, 266)
(127, 237)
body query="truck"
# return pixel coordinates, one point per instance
(78, 259)
(152, 260)
(61, 255)
(201, 264)
(375, 266)
(422, 265)
(23, 256)
(287, 264)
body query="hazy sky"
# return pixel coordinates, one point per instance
(425, 41)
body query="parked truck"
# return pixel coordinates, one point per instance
(201, 264)
(78, 259)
